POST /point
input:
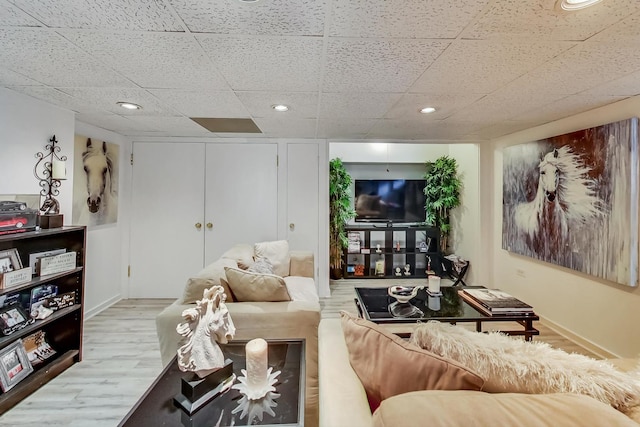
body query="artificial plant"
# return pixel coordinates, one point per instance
(340, 212)
(443, 194)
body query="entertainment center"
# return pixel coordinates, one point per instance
(390, 251)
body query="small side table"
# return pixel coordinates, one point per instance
(156, 406)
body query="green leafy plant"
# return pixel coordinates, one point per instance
(443, 194)
(340, 212)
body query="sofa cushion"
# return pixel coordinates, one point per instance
(513, 365)
(247, 286)
(277, 252)
(206, 278)
(261, 265)
(387, 365)
(469, 408)
(196, 286)
(301, 288)
(241, 253)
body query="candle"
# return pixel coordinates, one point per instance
(58, 169)
(256, 363)
(434, 284)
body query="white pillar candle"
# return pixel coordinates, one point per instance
(58, 169)
(434, 284)
(256, 363)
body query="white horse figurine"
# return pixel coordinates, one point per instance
(205, 325)
(101, 206)
(566, 197)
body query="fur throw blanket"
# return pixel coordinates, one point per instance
(512, 365)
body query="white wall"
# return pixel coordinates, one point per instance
(380, 152)
(108, 245)
(601, 314)
(26, 124)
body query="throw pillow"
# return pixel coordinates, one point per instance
(387, 365)
(197, 285)
(262, 265)
(277, 252)
(517, 366)
(241, 253)
(247, 286)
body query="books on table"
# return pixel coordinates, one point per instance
(494, 301)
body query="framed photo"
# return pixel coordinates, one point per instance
(13, 318)
(14, 365)
(9, 260)
(37, 348)
(34, 258)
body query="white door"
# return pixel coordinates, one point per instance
(302, 197)
(241, 202)
(167, 203)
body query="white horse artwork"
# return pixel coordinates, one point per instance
(565, 199)
(100, 202)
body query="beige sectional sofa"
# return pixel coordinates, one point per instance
(344, 402)
(298, 318)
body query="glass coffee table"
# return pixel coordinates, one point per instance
(376, 305)
(156, 406)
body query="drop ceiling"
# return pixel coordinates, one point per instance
(348, 69)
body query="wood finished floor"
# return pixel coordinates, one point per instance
(122, 358)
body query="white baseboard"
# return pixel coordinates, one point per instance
(581, 341)
(101, 307)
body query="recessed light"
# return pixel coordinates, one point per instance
(129, 105)
(280, 108)
(576, 4)
(427, 110)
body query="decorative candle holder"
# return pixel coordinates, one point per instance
(50, 170)
(253, 409)
(256, 381)
(256, 391)
(434, 286)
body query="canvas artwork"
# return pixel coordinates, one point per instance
(572, 200)
(95, 181)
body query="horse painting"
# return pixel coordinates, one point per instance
(565, 199)
(571, 200)
(97, 204)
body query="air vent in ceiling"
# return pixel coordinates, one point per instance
(227, 125)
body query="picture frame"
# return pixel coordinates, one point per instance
(14, 365)
(34, 258)
(13, 318)
(10, 260)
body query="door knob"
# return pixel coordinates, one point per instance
(209, 225)
(198, 225)
(292, 226)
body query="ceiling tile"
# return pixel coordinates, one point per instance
(52, 60)
(357, 105)
(180, 126)
(106, 98)
(627, 30)
(503, 128)
(302, 105)
(287, 128)
(360, 65)
(11, 78)
(482, 66)
(11, 16)
(566, 107)
(266, 63)
(113, 123)
(540, 20)
(410, 104)
(347, 128)
(427, 19)
(274, 17)
(59, 98)
(153, 60)
(628, 85)
(143, 15)
(411, 129)
(192, 103)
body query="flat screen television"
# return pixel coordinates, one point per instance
(389, 200)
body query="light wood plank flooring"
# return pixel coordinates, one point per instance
(121, 359)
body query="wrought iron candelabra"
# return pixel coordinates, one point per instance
(50, 170)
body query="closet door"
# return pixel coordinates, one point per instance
(302, 197)
(167, 204)
(241, 202)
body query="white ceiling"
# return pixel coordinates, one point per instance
(349, 69)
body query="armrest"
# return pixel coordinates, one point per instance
(301, 264)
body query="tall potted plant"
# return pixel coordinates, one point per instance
(340, 212)
(443, 194)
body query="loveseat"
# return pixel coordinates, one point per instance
(298, 318)
(345, 403)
